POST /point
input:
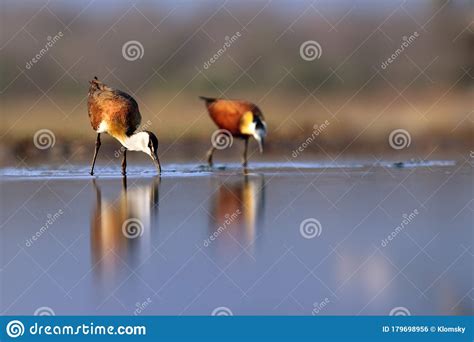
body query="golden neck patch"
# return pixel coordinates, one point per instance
(246, 123)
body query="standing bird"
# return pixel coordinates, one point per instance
(115, 112)
(241, 118)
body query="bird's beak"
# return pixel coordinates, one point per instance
(260, 139)
(156, 160)
(260, 144)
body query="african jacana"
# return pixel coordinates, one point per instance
(242, 119)
(115, 112)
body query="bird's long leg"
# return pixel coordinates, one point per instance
(124, 185)
(97, 146)
(124, 163)
(210, 153)
(244, 160)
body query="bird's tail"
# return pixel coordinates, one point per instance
(207, 99)
(95, 84)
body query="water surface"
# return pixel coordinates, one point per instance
(197, 239)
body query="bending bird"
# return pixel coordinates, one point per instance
(115, 112)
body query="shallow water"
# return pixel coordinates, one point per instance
(82, 171)
(221, 238)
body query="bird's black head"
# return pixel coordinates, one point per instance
(153, 141)
(153, 146)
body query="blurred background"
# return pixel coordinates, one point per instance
(371, 67)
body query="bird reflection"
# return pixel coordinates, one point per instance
(236, 213)
(121, 227)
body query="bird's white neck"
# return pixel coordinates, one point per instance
(136, 142)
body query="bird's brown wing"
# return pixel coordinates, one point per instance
(129, 114)
(94, 112)
(227, 113)
(118, 109)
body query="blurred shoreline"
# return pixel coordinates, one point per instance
(329, 125)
